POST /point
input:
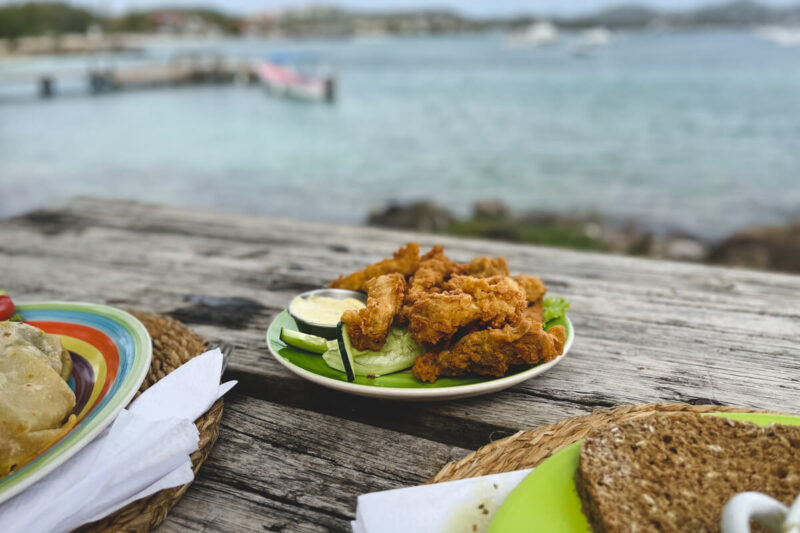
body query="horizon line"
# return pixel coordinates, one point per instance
(106, 10)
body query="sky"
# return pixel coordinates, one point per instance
(483, 8)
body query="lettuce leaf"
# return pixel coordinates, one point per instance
(399, 353)
(554, 308)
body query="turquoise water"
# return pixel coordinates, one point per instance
(694, 131)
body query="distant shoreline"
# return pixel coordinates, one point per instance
(761, 247)
(64, 22)
(764, 247)
(81, 44)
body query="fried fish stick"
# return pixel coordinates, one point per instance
(492, 351)
(466, 301)
(405, 262)
(534, 287)
(485, 267)
(434, 268)
(535, 311)
(369, 326)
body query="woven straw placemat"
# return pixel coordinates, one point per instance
(527, 449)
(173, 345)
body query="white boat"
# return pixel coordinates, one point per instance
(590, 40)
(595, 37)
(781, 35)
(541, 33)
(287, 81)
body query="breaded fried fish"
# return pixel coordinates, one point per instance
(466, 300)
(472, 318)
(492, 351)
(434, 268)
(405, 262)
(369, 326)
(534, 287)
(485, 267)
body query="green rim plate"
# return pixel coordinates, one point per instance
(546, 500)
(400, 385)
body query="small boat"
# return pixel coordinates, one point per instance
(541, 33)
(590, 40)
(595, 37)
(288, 81)
(780, 35)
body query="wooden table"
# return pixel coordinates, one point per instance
(293, 456)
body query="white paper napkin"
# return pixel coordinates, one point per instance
(466, 505)
(145, 450)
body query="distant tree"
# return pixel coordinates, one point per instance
(132, 22)
(37, 18)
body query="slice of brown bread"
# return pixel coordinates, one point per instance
(676, 472)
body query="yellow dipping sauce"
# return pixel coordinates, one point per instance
(323, 310)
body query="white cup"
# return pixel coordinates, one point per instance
(764, 510)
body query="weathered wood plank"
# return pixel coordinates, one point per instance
(284, 469)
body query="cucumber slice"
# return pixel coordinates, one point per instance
(345, 350)
(304, 341)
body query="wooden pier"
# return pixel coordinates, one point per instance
(182, 70)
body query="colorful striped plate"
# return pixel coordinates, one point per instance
(111, 353)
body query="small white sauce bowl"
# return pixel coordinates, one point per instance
(324, 330)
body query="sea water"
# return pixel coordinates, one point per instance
(697, 131)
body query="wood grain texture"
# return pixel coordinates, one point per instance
(285, 469)
(646, 331)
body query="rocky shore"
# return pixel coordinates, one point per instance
(766, 247)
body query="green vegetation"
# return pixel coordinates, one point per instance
(133, 22)
(399, 353)
(17, 20)
(567, 235)
(148, 21)
(555, 308)
(52, 18)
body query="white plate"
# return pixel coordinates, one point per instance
(307, 365)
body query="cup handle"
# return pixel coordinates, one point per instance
(792, 523)
(747, 506)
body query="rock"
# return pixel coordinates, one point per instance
(766, 247)
(553, 219)
(418, 216)
(679, 248)
(625, 238)
(593, 230)
(495, 209)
